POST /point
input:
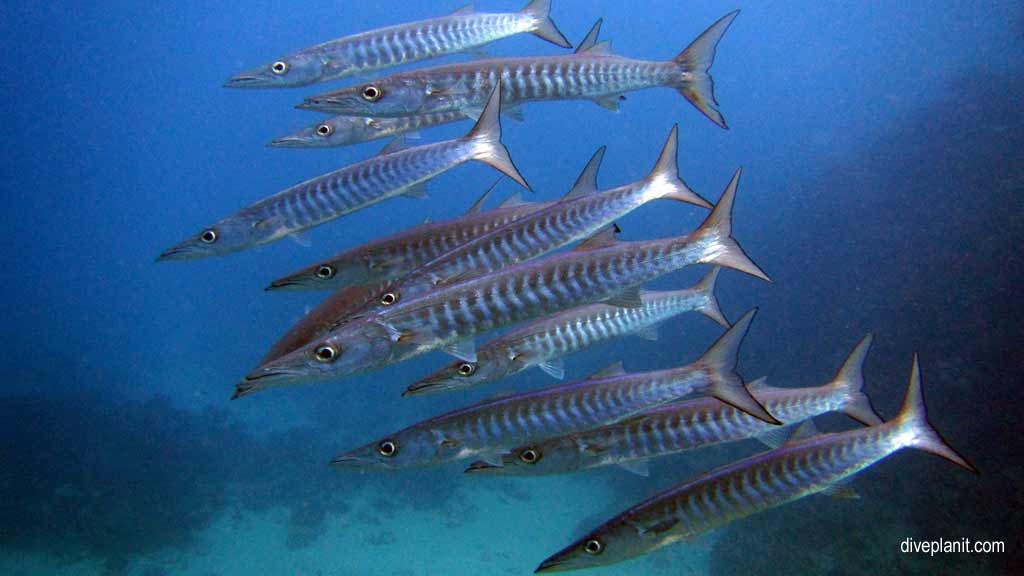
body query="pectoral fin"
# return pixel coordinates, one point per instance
(463, 349)
(554, 367)
(628, 299)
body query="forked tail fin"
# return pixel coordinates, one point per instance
(913, 418)
(487, 134)
(695, 83)
(850, 379)
(706, 289)
(666, 175)
(716, 234)
(726, 384)
(545, 27)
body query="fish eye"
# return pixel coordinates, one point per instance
(208, 236)
(466, 369)
(325, 272)
(325, 353)
(324, 130)
(372, 93)
(279, 67)
(388, 298)
(387, 448)
(529, 456)
(593, 546)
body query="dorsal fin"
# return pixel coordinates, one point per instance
(603, 47)
(586, 182)
(476, 207)
(759, 384)
(395, 145)
(590, 40)
(805, 430)
(601, 239)
(467, 9)
(614, 369)
(513, 200)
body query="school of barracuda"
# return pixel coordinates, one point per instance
(438, 285)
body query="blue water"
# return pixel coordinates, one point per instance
(882, 148)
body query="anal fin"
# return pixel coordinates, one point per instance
(418, 191)
(638, 467)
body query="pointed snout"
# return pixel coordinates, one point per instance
(245, 81)
(178, 252)
(288, 142)
(548, 566)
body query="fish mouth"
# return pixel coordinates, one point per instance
(263, 374)
(283, 285)
(186, 252)
(429, 386)
(344, 461)
(245, 81)
(482, 466)
(550, 565)
(289, 142)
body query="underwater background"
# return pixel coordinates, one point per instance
(883, 154)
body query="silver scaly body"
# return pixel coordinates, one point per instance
(352, 188)
(582, 213)
(396, 255)
(592, 73)
(800, 468)
(542, 341)
(611, 394)
(400, 44)
(455, 312)
(691, 424)
(346, 130)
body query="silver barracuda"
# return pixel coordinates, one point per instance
(583, 212)
(389, 174)
(689, 425)
(804, 466)
(592, 73)
(489, 426)
(402, 44)
(396, 255)
(347, 130)
(449, 317)
(544, 342)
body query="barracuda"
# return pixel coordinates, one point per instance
(804, 466)
(689, 425)
(401, 44)
(391, 173)
(396, 255)
(543, 342)
(607, 396)
(592, 73)
(375, 262)
(450, 316)
(347, 130)
(582, 213)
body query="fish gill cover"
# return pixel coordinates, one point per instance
(880, 190)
